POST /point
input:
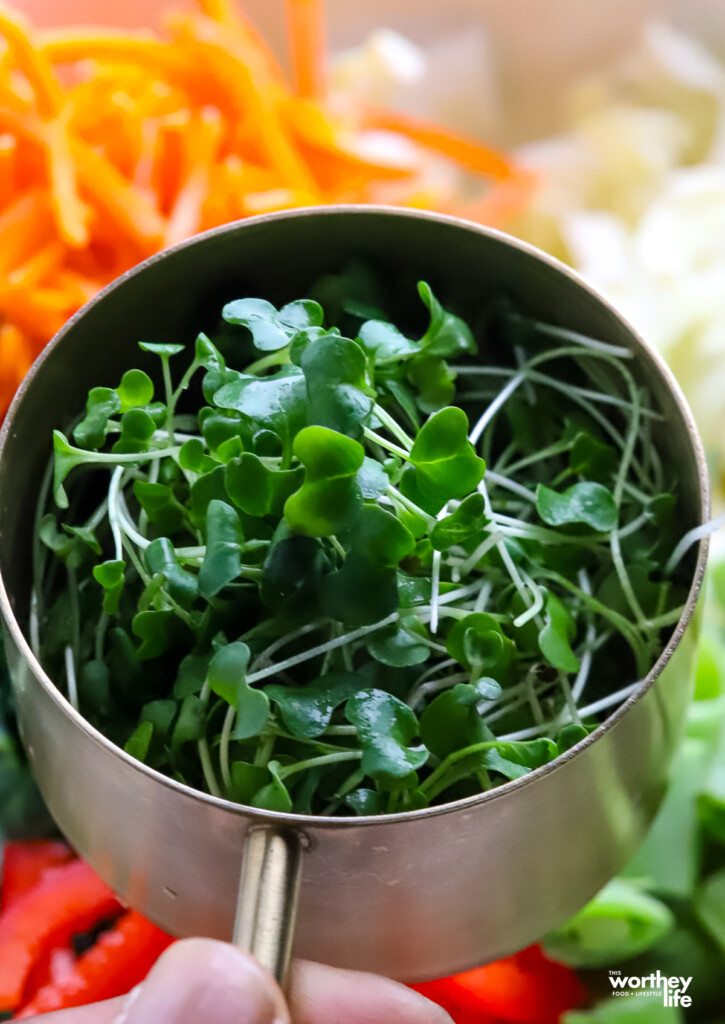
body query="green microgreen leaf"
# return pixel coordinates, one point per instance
(139, 741)
(337, 392)
(556, 636)
(384, 342)
(592, 459)
(450, 723)
(223, 558)
(272, 329)
(161, 505)
(476, 641)
(194, 458)
(136, 389)
(585, 502)
(446, 462)
(151, 629)
(227, 676)
(447, 335)
(161, 558)
(306, 710)
(360, 592)
(400, 645)
(327, 498)
(433, 382)
(162, 349)
(137, 428)
(372, 480)
(258, 489)
(385, 727)
(111, 577)
(91, 432)
(277, 402)
(465, 523)
(274, 796)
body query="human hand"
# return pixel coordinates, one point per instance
(201, 981)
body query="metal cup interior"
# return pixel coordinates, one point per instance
(416, 895)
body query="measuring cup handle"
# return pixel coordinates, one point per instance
(267, 903)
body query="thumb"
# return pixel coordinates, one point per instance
(200, 981)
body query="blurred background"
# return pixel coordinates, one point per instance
(611, 117)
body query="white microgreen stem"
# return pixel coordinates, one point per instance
(435, 583)
(100, 638)
(127, 525)
(498, 402)
(624, 580)
(393, 426)
(203, 749)
(279, 358)
(510, 485)
(224, 764)
(540, 456)
(564, 334)
(410, 505)
(536, 607)
(341, 730)
(295, 634)
(667, 618)
(692, 536)
(34, 624)
(130, 458)
(113, 512)
(569, 698)
(434, 686)
(384, 443)
(314, 762)
(169, 391)
(528, 596)
(537, 713)
(356, 634)
(420, 638)
(482, 598)
(320, 649)
(492, 541)
(605, 704)
(70, 675)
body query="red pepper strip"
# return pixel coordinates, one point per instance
(68, 899)
(23, 865)
(523, 989)
(440, 992)
(120, 959)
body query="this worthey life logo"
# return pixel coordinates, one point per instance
(673, 989)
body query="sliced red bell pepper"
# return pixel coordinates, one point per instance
(518, 991)
(120, 959)
(441, 992)
(523, 989)
(23, 865)
(68, 899)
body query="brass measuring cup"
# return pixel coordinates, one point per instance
(415, 895)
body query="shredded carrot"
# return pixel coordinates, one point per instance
(306, 21)
(464, 151)
(31, 62)
(114, 144)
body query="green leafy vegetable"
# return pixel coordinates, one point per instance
(293, 582)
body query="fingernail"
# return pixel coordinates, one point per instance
(200, 981)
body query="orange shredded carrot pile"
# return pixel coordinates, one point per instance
(114, 144)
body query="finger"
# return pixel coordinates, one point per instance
(98, 1013)
(327, 995)
(202, 981)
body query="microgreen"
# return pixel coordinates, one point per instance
(305, 590)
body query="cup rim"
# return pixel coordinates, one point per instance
(300, 821)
